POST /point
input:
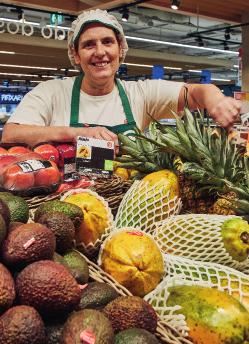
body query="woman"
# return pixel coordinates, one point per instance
(97, 104)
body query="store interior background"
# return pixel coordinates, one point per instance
(198, 42)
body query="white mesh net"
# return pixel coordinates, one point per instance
(143, 205)
(197, 236)
(179, 271)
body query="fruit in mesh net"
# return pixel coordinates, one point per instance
(235, 234)
(134, 260)
(97, 216)
(212, 316)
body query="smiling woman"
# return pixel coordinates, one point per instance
(96, 103)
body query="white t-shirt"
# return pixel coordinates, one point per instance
(49, 103)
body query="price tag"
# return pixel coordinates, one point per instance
(94, 157)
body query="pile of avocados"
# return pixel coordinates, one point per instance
(46, 294)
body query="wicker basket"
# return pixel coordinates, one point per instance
(112, 190)
(164, 332)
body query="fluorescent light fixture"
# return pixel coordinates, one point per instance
(194, 71)
(139, 39)
(31, 67)
(36, 81)
(218, 79)
(59, 27)
(7, 52)
(149, 65)
(19, 74)
(48, 76)
(19, 21)
(235, 66)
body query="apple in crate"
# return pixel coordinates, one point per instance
(48, 152)
(3, 151)
(48, 176)
(18, 150)
(15, 179)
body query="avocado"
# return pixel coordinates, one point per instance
(49, 287)
(87, 326)
(131, 311)
(22, 324)
(74, 212)
(18, 207)
(3, 229)
(5, 212)
(28, 243)
(135, 336)
(13, 225)
(97, 295)
(62, 227)
(77, 266)
(54, 331)
(7, 289)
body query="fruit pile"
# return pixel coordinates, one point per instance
(46, 295)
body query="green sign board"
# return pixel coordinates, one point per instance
(56, 19)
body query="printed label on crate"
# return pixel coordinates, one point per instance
(33, 165)
(94, 157)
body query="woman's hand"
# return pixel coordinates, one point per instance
(225, 112)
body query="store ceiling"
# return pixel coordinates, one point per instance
(153, 20)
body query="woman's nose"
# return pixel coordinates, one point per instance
(100, 49)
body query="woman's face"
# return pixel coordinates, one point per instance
(98, 54)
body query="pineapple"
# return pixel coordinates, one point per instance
(147, 157)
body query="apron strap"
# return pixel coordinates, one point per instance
(125, 102)
(75, 101)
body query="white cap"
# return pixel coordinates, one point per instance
(94, 16)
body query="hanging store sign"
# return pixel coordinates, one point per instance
(27, 29)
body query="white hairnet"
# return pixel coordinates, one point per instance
(94, 16)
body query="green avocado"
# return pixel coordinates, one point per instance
(135, 336)
(18, 207)
(77, 266)
(97, 295)
(3, 229)
(74, 212)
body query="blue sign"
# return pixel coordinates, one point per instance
(11, 98)
(157, 72)
(56, 19)
(205, 76)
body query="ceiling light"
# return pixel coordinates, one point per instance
(19, 21)
(7, 52)
(175, 4)
(125, 14)
(31, 67)
(218, 79)
(149, 66)
(19, 74)
(140, 39)
(194, 71)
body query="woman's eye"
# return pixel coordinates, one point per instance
(107, 41)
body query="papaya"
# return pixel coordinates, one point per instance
(211, 315)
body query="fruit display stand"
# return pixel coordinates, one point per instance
(165, 333)
(112, 190)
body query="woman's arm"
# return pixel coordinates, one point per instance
(224, 110)
(32, 134)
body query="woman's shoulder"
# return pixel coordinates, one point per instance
(54, 85)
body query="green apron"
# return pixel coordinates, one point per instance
(75, 104)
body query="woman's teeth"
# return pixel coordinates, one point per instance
(100, 64)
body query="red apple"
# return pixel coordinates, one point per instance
(14, 178)
(30, 156)
(66, 151)
(5, 161)
(47, 176)
(18, 150)
(48, 151)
